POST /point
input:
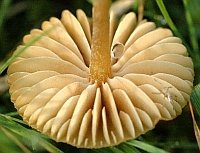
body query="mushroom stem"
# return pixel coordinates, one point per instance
(100, 65)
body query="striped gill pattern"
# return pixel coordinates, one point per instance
(152, 78)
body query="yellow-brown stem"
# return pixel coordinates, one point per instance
(100, 65)
(140, 10)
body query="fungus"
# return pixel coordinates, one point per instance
(97, 85)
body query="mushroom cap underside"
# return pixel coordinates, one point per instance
(152, 78)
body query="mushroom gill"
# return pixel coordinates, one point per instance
(57, 91)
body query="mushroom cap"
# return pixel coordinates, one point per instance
(152, 78)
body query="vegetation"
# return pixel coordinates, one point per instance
(18, 17)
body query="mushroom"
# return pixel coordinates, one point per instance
(97, 85)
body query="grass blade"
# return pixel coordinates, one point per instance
(146, 147)
(103, 150)
(22, 49)
(28, 134)
(7, 146)
(13, 119)
(171, 24)
(116, 150)
(127, 148)
(12, 114)
(196, 128)
(192, 31)
(167, 17)
(195, 98)
(15, 140)
(3, 10)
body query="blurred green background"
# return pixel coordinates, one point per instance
(18, 17)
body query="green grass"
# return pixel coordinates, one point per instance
(18, 17)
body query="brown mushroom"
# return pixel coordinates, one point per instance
(100, 89)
